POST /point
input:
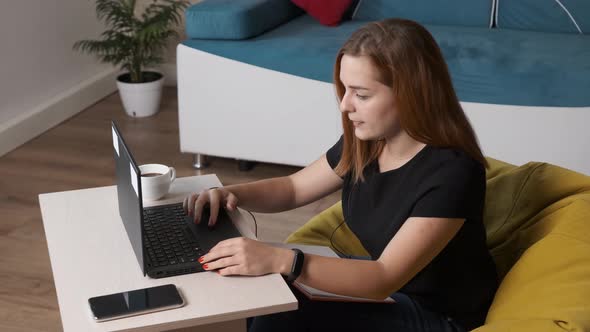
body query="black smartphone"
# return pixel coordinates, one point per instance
(135, 302)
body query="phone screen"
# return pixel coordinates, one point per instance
(135, 302)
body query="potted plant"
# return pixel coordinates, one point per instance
(135, 42)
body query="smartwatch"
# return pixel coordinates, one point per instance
(296, 267)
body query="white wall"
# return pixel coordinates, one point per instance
(41, 78)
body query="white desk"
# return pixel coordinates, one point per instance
(91, 255)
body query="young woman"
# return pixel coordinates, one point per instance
(413, 186)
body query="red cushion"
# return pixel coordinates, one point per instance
(328, 12)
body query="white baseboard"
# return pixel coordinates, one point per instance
(45, 116)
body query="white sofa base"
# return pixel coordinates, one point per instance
(235, 110)
(231, 109)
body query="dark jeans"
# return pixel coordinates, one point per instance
(405, 315)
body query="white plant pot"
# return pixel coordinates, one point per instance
(141, 99)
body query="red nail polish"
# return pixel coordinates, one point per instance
(205, 266)
(200, 259)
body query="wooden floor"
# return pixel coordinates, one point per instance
(78, 154)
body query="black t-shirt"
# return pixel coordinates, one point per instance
(438, 182)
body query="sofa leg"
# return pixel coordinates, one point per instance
(246, 165)
(200, 161)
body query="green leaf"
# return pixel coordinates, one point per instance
(130, 42)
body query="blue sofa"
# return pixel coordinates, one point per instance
(515, 64)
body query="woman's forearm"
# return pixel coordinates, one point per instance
(266, 196)
(349, 277)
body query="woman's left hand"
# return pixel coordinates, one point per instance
(243, 256)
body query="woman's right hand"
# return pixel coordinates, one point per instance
(215, 197)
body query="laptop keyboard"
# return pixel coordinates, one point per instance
(167, 238)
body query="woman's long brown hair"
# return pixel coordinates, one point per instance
(411, 63)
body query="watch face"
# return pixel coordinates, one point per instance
(297, 265)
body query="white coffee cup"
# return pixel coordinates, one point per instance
(156, 180)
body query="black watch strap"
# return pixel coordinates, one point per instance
(296, 267)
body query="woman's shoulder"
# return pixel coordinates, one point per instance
(334, 154)
(448, 161)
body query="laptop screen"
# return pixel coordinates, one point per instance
(129, 194)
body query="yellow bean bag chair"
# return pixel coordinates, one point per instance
(537, 218)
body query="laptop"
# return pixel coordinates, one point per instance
(166, 241)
